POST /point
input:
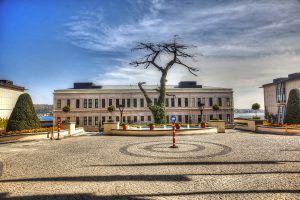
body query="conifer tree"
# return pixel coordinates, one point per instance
(23, 115)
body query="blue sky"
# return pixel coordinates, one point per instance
(47, 45)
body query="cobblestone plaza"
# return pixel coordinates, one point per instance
(235, 165)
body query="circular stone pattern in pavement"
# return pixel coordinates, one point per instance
(186, 149)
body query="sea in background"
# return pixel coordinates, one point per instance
(249, 115)
(46, 118)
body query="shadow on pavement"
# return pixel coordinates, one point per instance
(144, 196)
(167, 178)
(198, 163)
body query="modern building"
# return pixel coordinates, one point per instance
(9, 94)
(89, 103)
(276, 96)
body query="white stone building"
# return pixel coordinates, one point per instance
(276, 96)
(89, 103)
(9, 94)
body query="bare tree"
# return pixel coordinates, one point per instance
(173, 49)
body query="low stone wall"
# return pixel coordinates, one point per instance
(139, 132)
(278, 130)
(251, 124)
(41, 136)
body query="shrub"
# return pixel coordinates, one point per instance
(66, 109)
(3, 123)
(23, 115)
(293, 108)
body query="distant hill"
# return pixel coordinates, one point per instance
(43, 109)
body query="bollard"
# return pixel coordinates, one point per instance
(173, 135)
(58, 129)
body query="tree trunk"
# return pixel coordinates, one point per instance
(158, 110)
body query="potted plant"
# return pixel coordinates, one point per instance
(124, 126)
(203, 125)
(151, 126)
(66, 109)
(177, 125)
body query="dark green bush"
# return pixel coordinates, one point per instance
(292, 115)
(23, 115)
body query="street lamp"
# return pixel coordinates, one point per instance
(201, 108)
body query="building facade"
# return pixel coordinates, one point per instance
(88, 103)
(276, 96)
(9, 94)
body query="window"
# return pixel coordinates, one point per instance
(172, 102)
(179, 118)
(96, 103)
(68, 119)
(141, 102)
(90, 103)
(109, 102)
(186, 102)
(149, 118)
(77, 121)
(58, 103)
(155, 101)
(128, 103)
(220, 116)
(96, 121)
(167, 102)
(123, 102)
(117, 102)
(210, 101)
(90, 121)
(227, 101)
(186, 119)
(128, 119)
(199, 102)
(103, 119)
(134, 119)
(199, 118)
(179, 102)
(68, 102)
(220, 101)
(211, 117)
(167, 119)
(142, 118)
(228, 118)
(85, 103)
(280, 92)
(85, 121)
(124, 119)
(77, 103)
(103, 103)
(117, 118)
(135, 103)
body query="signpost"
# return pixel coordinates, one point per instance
(173, 119)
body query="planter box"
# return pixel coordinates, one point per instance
(108, 126)
(219, 124)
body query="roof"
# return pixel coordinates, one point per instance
(294, 76)
(107, 88)
(9, 85)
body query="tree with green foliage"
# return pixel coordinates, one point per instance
(174, 51)
(111, 109)
(23, 115)
(66, 109)
(216, 107)
(292, 115)
(3, 123)
(255, 107)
